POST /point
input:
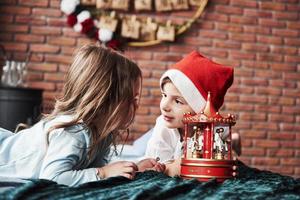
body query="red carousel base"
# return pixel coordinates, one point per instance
(206, 169)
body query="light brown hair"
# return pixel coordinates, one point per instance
(99, 91)
(164, 81)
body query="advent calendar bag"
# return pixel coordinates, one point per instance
(104, 4)
(163, 5)
(120, 4)
(143, 5)
(148, 30)
(131, 28)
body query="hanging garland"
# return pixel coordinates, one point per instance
(81, 20)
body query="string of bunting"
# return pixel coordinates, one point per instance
(98, 20)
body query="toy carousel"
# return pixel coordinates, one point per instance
(207, 151)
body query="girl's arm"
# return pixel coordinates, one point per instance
(66, 159)
(120, 168)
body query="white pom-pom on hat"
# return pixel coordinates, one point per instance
(77, 27)
(105, 35)
(69, 6)
(83, 15)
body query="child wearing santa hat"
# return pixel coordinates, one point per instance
(184, 89)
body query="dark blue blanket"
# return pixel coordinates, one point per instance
(251, 184)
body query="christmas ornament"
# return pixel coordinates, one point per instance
(69, 6)
(105, 35)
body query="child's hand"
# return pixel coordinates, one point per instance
(121, 168)
(173, 168)
(151, 164)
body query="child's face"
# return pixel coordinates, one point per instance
(173, 106)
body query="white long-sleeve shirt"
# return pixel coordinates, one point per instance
(164, 142)
(65, 160)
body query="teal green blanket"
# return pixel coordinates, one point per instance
(251, 184)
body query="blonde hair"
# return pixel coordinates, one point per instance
(99, 93)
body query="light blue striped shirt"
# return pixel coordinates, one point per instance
(65, 160)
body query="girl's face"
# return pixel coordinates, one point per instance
(173, 106)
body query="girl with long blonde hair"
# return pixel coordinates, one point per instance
(71, 144)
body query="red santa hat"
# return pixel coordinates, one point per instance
(194, 76)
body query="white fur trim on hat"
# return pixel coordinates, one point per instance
(187, 89)
(69, 6)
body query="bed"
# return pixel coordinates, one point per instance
(251, 184)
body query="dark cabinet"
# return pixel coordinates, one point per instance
(19, 105)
